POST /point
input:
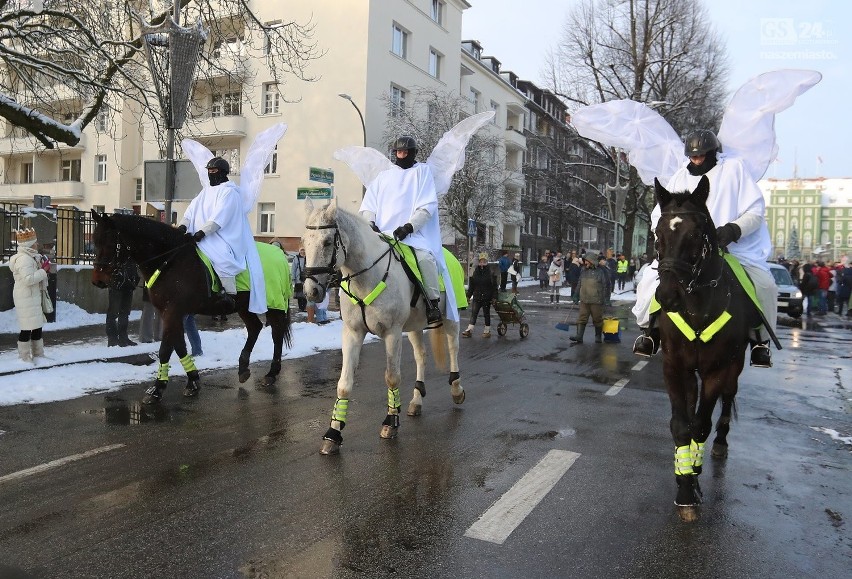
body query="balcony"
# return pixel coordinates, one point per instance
(18, 143)
(58, 191)
(515, 140)
(231, 64)
(514, 177)
(207, 126)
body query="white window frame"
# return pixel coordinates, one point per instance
(232, 156)
(100, 168)
(266, 218)
(399, 41)
(101, 121)
(474, 99)
(71, 168)
(267, 45)
(435, 61)
(271, 98)
(272, 167)
(437, 12)
(224, 103)
(138, 192)
(27, 172)
(397, 98)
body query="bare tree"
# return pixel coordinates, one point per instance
(477, 191)
(665, 53)
(62, 64)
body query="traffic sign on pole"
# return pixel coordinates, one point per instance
(471, 228)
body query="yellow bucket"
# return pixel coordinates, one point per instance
(610, 325)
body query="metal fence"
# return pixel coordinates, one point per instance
(65, 233)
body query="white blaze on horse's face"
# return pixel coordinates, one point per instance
(674, 222)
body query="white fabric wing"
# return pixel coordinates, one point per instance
(448, 155)
(199, 155)
(748, 127)
(365, 162)
(652, 145)
(259, 154)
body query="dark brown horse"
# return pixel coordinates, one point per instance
(704, 332)
(180, 287)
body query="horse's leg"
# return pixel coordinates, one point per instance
(393, 348)
(681, 386)
(173, 341)
(415, 407)
(253, 327)
(276, 321)
(723, 426)
(352, 341)
(451, 331)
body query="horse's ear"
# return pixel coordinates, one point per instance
(96, 216)
(661, 193)
(309, 206)
(331, 210)
(702, 192)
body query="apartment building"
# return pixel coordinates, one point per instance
(809, 218)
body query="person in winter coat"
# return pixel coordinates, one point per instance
(505, 262)
(593, 289)
(543, 266)
(572, 276)
(481, 293)
(809, 284)
(29, 270)
(844, 286)
(823, 276)
(297, 274)
(515, 277)
(123, 281)
(555, 273)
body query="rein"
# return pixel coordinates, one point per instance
(116, 262)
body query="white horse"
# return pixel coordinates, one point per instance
(339, 243)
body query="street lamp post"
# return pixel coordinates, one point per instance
(620, 192)
(360, 116)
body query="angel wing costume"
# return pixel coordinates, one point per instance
(747, 135)
(426, 182)
(231, 248)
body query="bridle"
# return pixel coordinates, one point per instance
(688, 274)
(116, 262)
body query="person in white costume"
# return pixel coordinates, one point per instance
(406, 203)
(737, 207)
(216, 221)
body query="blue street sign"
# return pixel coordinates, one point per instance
(471, 228)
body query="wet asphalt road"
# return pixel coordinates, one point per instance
(232, 485)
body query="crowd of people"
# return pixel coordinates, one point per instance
(825, 285)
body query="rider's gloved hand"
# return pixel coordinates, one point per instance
(375, 227)
(403, 231)
(728, 234)
(198, 236)
(181, 228)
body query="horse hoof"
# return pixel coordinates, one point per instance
(688, 514)
(388, 431)
(191, 390)
(329, 447)
(151, 399)
(719, 451)
(244, 375)
(458, 398)
(415, 409)
(269, 381)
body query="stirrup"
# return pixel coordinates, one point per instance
(761, 355)
(645, 346)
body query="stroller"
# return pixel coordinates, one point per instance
(510, 312)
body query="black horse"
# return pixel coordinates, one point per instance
(181, 287)
(704, 326)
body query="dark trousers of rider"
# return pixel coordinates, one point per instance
(117, 317)
(475, 306)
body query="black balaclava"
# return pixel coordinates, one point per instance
(408, 161)
(708, 163)
(220, 172)
(217, 178)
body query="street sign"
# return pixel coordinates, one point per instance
(471, 228)
(313, 193)
(321, 175)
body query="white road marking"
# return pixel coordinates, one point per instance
(616, 388)
(56, 463)
(498, 522)
(639, 365)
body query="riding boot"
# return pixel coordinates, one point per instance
(598, 334)
(224, 303)
(581, 329)
(761, 355)
(648, 343)
(25, 351)
(433, 312)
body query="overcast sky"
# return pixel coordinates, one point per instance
(819, 37)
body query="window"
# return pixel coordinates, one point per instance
(227, 105)
(232, 156)
(270, 98)
(474, 98)
(27, 173)
(400, 42)
(138, 193)
(495, 106)
(437, 12)
(270, 36)
(101, 121)
(100, 168)
(266, 216)
(272, 167)
(538, 225)
(71, 170)
(435, 59)
(230, 45)
(397, 96)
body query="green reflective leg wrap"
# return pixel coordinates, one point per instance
(163, 372)
(683, 460)
(341, 408)
(697, 449)
(394, 403)
(188, 364)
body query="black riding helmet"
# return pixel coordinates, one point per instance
(701, 142)
(405, 143)
(217, 170)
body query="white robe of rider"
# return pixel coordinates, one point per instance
(398, 196)
(228, 240)
(734, 198)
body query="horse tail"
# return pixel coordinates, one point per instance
(438, 341)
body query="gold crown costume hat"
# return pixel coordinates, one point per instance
(25, 237)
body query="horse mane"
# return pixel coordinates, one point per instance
(141, 227)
